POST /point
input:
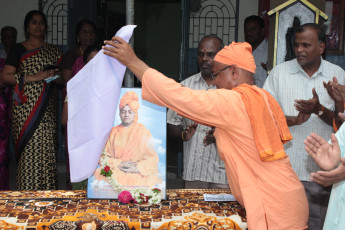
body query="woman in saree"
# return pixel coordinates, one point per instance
(130, 149)
(34, 105)
(72, 60)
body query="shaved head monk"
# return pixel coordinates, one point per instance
(250, 132)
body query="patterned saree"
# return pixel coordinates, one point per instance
(34, 118)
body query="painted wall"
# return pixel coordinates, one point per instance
(12, 13)
(246, 11)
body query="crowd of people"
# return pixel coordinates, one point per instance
(32, 73)
(280, 188)
(264, 136)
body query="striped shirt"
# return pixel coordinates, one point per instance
(199, 162)
(288, 82)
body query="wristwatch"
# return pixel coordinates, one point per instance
(320, 112)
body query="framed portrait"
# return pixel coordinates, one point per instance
(135, 153)
(335, 31)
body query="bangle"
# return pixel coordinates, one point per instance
(182, 135)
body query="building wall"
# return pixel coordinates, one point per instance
(12, 13)
(246, 11)
(158, 37)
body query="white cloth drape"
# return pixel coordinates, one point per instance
(93, 94)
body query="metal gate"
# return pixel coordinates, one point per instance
(204, 17)
(56, 13)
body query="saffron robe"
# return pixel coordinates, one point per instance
(134, 143)
(271, 193)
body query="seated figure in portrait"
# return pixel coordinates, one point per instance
(130, 149)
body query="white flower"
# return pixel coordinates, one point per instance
(154, 197)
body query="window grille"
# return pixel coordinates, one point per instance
(217, 17)
(56, 13)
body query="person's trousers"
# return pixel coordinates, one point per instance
(318, 197)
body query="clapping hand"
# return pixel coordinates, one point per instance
(340, 88)
(336, 92)
(327, 156)
(325, 178)
(309, 106)
(333, 90)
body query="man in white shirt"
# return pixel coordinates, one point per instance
(202, 165)
(297, 85)
(254, 34)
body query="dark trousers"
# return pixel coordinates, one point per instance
(318, 197)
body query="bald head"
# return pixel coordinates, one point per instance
(208, 47)
(245, 77)
(218, 42)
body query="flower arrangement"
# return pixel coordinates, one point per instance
(141, 195)
(146, 195)
(125, 197)
(106, 171)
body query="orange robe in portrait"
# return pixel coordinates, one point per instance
(270, 191)
(134, 143)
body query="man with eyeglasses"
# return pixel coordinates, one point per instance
(250, 132)
(202, 167)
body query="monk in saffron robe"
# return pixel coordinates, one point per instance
(130, 149)
(250, 129)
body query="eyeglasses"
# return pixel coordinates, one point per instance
(214, 75)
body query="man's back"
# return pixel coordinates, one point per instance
(270, 191)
